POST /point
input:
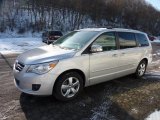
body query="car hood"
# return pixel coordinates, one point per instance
(43, 54)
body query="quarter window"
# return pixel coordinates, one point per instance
(126, 40)
(107, 41)
(142, 40)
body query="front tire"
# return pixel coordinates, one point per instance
(141, 69)
(68, 86)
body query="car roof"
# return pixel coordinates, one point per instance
(111, 29)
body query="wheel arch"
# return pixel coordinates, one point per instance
(145, 59)
(136, 72)
(72, 70)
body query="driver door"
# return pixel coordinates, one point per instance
(103, 65)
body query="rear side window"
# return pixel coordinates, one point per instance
(142, 40)
(126, 40)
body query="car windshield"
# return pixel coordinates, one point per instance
(75, 40)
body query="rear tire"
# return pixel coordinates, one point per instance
(68, 86)
(141, 69)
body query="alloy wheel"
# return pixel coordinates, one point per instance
(142, 68)
(70, 87)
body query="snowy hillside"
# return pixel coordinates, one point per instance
(65, 15)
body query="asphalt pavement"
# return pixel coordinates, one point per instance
(126, 98)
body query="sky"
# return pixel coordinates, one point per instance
(155, 3)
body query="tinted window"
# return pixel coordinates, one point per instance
(142, 39)
(126, 40)
(107, 41)
(58, 33)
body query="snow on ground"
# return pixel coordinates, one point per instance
(102, 112)
(152, 74)
(154, 116)
(157, 40)
(14, 34)
(14, 45)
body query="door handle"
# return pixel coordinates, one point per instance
(114, 55)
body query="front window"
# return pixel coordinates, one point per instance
(75, 40)
(107, 41)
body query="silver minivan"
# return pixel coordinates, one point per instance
(82, 58)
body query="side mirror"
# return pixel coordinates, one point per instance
(96, 48)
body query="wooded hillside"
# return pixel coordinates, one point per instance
(66, 15)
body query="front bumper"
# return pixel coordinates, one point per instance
(25, 81)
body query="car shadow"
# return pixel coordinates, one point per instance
(95, 102)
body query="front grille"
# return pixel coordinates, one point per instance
(19, 66)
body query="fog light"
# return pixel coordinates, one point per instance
(35, 87)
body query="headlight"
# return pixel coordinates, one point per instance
(42, 68)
